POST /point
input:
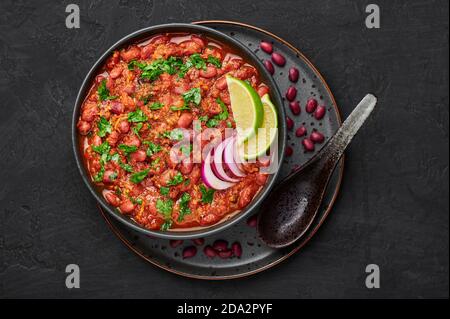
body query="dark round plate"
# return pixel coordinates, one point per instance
(256, 256)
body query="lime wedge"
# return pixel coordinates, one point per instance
(257, 145)
(247, 107)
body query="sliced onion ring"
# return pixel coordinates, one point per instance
(209, 178)
(217, 164)
(229, 157)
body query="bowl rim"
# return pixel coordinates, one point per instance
(250, 57)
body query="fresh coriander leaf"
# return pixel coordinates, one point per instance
(186, 149)
(137, 128)
(166, 225)
(164, 190)
(197, 61)
(155, 162)
(207, 194)
(164, 207)
(103, 148)
(180, 108)
(104, 127)
(156, 106)
(187, 182)
(137, 116)
(126, 149)
(203, 118)
(139, 176)
(126, 167)
(113, 176)
(146, 99)
(176, 134)
(229, 125)
(224, 114)
(115, 157)
(99, 176)
(193, 95)
(214, 61)
(184, 208)
(177, 179)
(103, 92)
(152, 148)
(212, 122)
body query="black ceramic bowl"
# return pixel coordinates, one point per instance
(246, 54)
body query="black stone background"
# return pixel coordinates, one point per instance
(394, 203)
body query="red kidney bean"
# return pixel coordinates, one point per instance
(289, 123)
(266, 47)
(291, 93)
(317, 137)
(278, 59)
(174, 243)
(293, 74)
(96, 140)
(185, 120)
(269, 66)
(132, 140)
(186, 166)
(252, 221)
(198, 241)
(209, 251)
(83, 127)
(301, 131)
(237, 249)
(126, 207)
(225, 254)
(189, 252)
(112, 198)
(311, 105)
(113, 138)
(124, 126)
(262, 90)
(295, 107)
(308, 145)
(210, 72)
(289, 151)
(220, 245)
(116, 72)
(108, 176)
(117, 107)
(221, 83)
(138, 156)
(320, 112)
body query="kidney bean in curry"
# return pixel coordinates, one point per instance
(129, 120)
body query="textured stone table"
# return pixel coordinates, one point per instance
(393, 207)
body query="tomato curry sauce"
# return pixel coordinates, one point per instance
(130, 119)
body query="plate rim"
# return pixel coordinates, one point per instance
(310, 234)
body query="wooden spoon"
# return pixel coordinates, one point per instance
(287, 213)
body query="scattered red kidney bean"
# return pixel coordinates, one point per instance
(295, 107)
(293, 74)
(301, 131)
(278, 59)
(252, 221)
(317, 137)
(269, 66)
(198, 241)
(175, 243)
(237, 249)
(189, 252)
(209, 251)
(311, 105)
(220, 245)
(308, 145)
(320, 112)
(266, 47)
(291, 93)
(289, 151)
(289, 123)
(225, 254)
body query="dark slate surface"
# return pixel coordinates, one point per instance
(394, 204)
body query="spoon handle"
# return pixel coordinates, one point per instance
(339, 142)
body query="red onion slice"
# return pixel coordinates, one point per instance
(230, 160)
(217, 164)
(209, 178)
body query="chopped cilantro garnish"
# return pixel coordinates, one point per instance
(193, 95)
(164, 190)
(99, 176)
(164, 207)
(137, 116)
(152, 148)
(176, 134)
(137, 128)
(186, 149)
(184, 208)
(126, 149)
(103, 127)
(214, 61)
(103, 92)
(139, 176)
(166, 225)
(207, 194)
(156, 106)
(177, 179)
(103, 148)
(213, 122)
(203, 118)
(180, 108)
